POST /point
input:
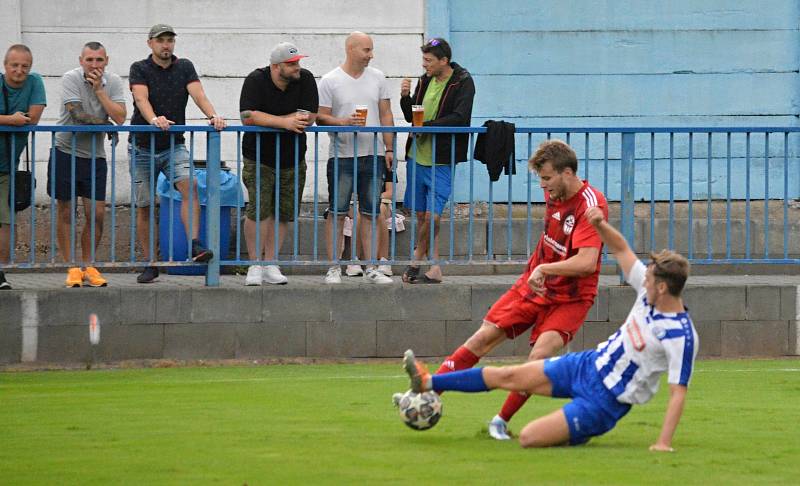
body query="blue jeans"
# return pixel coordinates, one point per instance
(371, 173)
(140, 170)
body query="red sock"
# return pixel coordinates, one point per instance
(461, 359)
(513, 403)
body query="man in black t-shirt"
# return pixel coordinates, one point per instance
(281, 95)
(161, 85)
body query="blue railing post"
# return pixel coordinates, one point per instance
(627, 171)
(213, 142)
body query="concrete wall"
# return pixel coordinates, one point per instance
(349, 321)
(225, 41)
(573, 63)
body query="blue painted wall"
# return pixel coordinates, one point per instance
(572, 63)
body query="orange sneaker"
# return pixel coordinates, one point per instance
(420, 376)
(93, 278)
(74, 277)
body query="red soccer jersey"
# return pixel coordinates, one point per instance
(565, 232)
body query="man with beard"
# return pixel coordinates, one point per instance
(161, 86)
(281, 95)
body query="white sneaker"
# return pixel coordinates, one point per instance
(498, 429)
(385, 269)
(334, 275)
(272, 274)
(376, 277)
(354, 271)
(253, 275)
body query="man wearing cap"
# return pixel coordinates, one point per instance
(90, 95)
(161, 86)
(272, 97)
(353, 84)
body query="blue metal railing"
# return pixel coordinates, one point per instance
(656, 166)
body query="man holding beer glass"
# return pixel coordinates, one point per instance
(357, 95)
(442, 98)
(281, 95)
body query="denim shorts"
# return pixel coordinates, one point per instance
(369, 183)
(83, 177)
(140, 167)
(593, 410)
(424, 191)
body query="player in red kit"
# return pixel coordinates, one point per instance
(559, 285)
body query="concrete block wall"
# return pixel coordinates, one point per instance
(224, 40)
(303, 320)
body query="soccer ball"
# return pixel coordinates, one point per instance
(420, 411)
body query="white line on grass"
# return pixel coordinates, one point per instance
(783, 370)
(195, 382)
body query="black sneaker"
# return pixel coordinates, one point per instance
(4, 285)
(149, 274)
(200, 254)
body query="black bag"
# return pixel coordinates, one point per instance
(22, 178)
(22, 189)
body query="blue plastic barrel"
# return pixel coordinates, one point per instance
(230, 197)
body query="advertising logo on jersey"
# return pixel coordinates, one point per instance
(569, 224)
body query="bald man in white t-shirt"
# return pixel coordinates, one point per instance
(343, 94)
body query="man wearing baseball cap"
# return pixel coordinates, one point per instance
(281, 95)
(161, 85)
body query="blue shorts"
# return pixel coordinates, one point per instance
(421, 195)
(83, 177)
(371, 172)
(141, 166)
(593, 410)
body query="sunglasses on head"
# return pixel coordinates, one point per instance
(433, 42)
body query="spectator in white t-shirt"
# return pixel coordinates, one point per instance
(343, 95)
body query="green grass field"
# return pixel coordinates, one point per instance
(333, 424)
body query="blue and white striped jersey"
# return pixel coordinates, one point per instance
(631, 361)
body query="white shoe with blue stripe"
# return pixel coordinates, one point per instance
(498, 429)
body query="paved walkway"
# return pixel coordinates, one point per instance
(50, 281)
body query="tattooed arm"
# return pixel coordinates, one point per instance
(80, 117)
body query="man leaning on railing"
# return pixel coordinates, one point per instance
(161, 86)
(445, 92)
(90, 95)
(22, 103)
(281, 95)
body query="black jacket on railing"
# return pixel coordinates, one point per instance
(455, 110)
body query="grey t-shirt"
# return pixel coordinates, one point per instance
(74, 88)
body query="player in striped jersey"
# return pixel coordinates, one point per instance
(657, 337)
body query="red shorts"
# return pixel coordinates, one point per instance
(515, 314)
